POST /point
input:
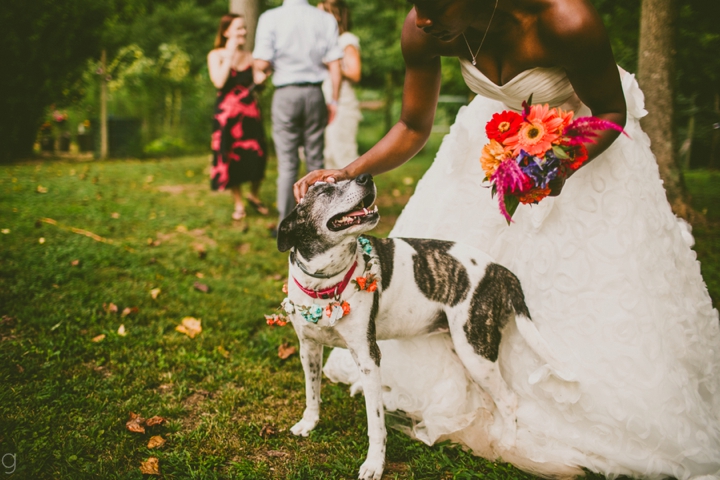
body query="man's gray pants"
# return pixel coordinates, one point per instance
(299, 117)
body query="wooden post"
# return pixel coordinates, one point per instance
(251, 11)
(103, 106)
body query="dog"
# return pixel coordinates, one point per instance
(350, 290)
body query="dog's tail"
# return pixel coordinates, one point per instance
(532, 337)
(537, 343)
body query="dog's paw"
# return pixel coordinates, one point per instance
(304, 427)
(372, 469)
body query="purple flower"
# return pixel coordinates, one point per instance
(541, 170)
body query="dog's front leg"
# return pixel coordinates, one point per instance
(311, 358)
(367, 357)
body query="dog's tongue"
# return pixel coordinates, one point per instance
(357, 213)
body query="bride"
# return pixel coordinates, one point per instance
(608, 273)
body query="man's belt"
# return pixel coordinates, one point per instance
(300, 84)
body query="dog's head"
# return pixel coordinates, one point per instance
(329, 213)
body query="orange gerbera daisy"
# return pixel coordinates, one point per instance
(542, 126)
(492, 156)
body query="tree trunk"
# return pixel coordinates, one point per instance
(103, 106)
(658, 24)
(250, 9)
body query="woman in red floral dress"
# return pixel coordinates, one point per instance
(238, 139)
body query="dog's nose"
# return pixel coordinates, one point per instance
(364, 179)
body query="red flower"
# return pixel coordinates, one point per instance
(276, 319)
(346, 308)
(534, 195)
(361, 281)
(372, 287)
(503, 125)
(580, 156)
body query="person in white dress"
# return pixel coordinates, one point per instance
(608, 271)
(341, 135)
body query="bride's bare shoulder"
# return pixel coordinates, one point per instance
(568, 21)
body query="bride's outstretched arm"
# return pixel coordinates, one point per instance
(409, 134)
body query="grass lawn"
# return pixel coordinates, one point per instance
(78, 236)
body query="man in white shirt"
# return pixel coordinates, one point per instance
(298, 44)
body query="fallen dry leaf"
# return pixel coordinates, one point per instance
(200, 275)
(156, 441)
(151, 466)
(135, 424)
(190, 326)
(243, 248)
(75, 263)
(128, 310)
(154, 293)
(221, 350)
(267, 430)
(181, 229)
(275, 453)
(201, 287)
(5, 231)
(156, 420)
(121, 330)
(115, 215)
(99, 338)
(41, 189)
(41, 240)
(285, 350)
(110, 308)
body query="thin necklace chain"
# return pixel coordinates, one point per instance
(474, 62)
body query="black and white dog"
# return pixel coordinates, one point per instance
(402, 287)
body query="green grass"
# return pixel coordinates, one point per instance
(64, 399)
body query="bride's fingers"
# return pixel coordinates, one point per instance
(301, 186)
(331, 176)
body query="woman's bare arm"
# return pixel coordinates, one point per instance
(351, 67)
(579, 43)
(409, 134)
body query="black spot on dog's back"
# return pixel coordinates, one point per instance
(496, 297)
(385, 249)
(439, 275)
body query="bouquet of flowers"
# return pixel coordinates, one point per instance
(530, 149)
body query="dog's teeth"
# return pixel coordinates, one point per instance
(365, 210)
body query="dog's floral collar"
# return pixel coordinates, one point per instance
(338, 308)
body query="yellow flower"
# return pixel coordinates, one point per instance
(492, 156)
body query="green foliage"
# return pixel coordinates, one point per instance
(44, 47)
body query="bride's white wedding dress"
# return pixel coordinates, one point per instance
(613, 287)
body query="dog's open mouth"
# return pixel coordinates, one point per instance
(360, 213)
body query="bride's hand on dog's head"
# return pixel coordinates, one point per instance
(330, 176)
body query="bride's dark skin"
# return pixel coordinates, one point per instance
(524, 34)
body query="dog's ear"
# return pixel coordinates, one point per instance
(286, 232)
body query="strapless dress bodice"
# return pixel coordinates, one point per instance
(546, 85)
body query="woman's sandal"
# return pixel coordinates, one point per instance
(259, 207)
(238, 215)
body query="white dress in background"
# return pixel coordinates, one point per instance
(613, 287)
(340, 136)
